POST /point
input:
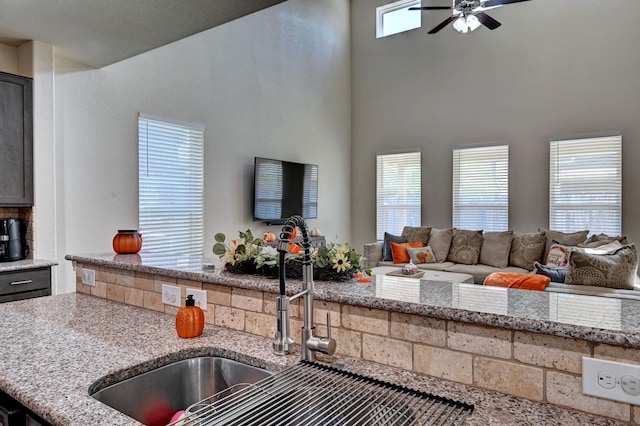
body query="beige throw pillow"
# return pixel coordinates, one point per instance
(526, 248)
(417, 233)
(496, 247)
(440, 241)
(465, 247)
(615, 269)
(564, 238)
(421, 255)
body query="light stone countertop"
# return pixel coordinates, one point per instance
(595, 319)
(57, 347)
(26, 264)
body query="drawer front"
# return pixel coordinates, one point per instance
(27, 280)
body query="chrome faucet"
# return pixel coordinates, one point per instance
(283, 342)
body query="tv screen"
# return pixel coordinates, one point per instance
(283, 189)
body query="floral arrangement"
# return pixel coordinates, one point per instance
(249, 254)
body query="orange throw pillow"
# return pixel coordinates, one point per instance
(517, 280)
(399, 251)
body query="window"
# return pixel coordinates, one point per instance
(398, 192)
(170, 186)
(481, 188)
(585, 184)
(396, 18)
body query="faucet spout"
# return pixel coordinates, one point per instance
(283, 341)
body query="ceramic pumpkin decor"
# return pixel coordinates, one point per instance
(190, 319)
(127, 241)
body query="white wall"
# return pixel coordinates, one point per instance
(273, 84)
(553, 68)
(8, 59)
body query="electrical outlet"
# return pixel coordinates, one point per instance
(611, 380)
(200, 297)
(89, 277)
(171, 295)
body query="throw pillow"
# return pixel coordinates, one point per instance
(495, 248)
(421, 255)
(566, 238)
(602, 239)
(558, 255)
(440, 241)
(417, 233)
(556, 273)
(387, 254)
(465, 247)
(526, 248)
(615, 269)
(399, 251)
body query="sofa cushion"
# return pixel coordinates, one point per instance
(565, 238)
(526, 248)
(399, 251)
(615, 269)
(495, 248)
(386, 250)
(602, 239)
(465, 246)
(373, 254)
(481, 271)
(417, 233)
(558, 255)
(555, 273)
(440, 241)
(421, 255)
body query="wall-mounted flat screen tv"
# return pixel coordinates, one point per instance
(283, 189)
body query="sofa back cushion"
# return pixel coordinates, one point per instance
(526, 248)
(440, 241)
(615, 269)
(495, 249)
(465, 247)
(417, 233)
(387, 254)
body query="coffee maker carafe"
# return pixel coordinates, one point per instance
(13, 240)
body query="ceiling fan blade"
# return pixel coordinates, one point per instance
(490, 3)
(487, 20)
(431, 8)
(443, 24)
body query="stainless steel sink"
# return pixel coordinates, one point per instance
(153, 397)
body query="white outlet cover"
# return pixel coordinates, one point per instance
(89, 277)
(171, 295)
(599, 375)
(200, 297)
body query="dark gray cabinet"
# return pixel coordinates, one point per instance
(16, 141)
(25, 284)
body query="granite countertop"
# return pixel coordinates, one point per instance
(56, 347)
(26, 264)
(596, 319)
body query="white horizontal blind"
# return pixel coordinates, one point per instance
(481, 188)
(585, 184)
(398, 192)
(170, 185)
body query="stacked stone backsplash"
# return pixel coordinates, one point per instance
(26, 214)
(530, 365)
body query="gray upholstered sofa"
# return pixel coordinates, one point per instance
(595, 265)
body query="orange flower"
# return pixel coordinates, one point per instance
(294, 248)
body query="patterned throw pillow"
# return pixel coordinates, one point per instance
(417, 233)
(526, 248)
(614, 269)
(400, 254)
(387, 254)
(421, 255)
(558, 255)
(440, 241)
(465, 247)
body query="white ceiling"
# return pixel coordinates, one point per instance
(103, 32)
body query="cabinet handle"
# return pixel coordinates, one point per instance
(21, 282)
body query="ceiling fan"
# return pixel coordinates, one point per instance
(468, 15)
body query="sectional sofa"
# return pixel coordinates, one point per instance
(576, 262)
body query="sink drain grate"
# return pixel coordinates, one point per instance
(313, 394)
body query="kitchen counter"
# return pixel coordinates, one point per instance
(26, 264)
(55, 348)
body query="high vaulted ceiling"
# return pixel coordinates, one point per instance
(102, 32)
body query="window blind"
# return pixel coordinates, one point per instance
(585, 184)
(481, 188)
(398, 192)
(170, 186)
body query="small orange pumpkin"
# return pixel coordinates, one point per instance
(294, 248)
(190, 319)
(294, 233)
(269, 236)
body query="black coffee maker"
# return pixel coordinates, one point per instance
(13, 240)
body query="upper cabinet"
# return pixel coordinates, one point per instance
(16, 141)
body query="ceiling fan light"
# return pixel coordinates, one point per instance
(472, 22)
(460, 25)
